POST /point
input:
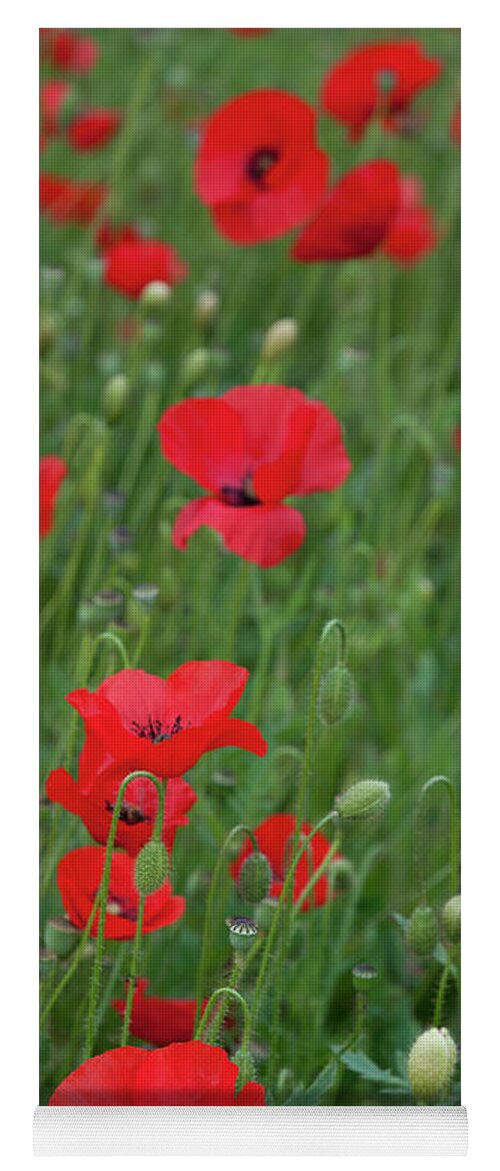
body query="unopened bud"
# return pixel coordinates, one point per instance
(364, 799)
(206, 307)
(279, 338)
(151, 867)
(431, 1062)
(451, 918)
(335, 696)
(114, 397)
(195, 366)
(423, 932)
(242, 932)
(61, 937)
(264, 914)
(155, 294)
(255, 878)
(246, 1068)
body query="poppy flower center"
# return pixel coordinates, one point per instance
(240, 496)
(156, 730)
(259, 163)
(129, 814)
(115, 906)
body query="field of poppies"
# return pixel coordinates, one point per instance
(249, 522)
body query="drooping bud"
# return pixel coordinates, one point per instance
(61, 938)
(364, 976)
(151, 867)
(364, 799)
(255, 878)
(155, 294)
(423, 932)
(246, 1068)
(431, 1062)
(341, 874)
(279, 338)
(335, 696)
(451, 916)
(114, 397)
(264, 914)
(242, 932)
(207, 307)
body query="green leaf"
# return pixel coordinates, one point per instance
(317, 1090)
(366, 1068)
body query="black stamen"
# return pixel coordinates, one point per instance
(260, 163)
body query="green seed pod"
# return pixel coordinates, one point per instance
(423, 932)
(364, 976)
(108, 605)
(335, 697)
(151, 867)
(115, 393)
(255, 878)
(341, 873)
(61, 938)
(279, 338)
(450, 916)
(195, 366)
(242, 932)
(364, 799)
(155, 294)
(246, 1068)
(431, 1062)
(145, 595)
(264, 914)
(207, 307)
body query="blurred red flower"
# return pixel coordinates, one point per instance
(373, 80)
(355, 217)
(79, 875)
(53, 97)
(67, 201)
(275, 839)
(456, 127)
(413, 231)
(133, 262)
(53, 470)
(94, 129)
(158, 1020)
(189, 1074)
(64, 49)
(259, 169)
(250, 449)
(164, 726)
(93, 797)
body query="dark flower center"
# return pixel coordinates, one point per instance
(239, 497)
(260, 162)
(129, 814)
(156, 730)
(117, 906)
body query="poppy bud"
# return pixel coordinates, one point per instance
(47, 331)
(155, 294)
(264, 914)
(364, 977)
(242, 932)
(431, 1062)
(146, 595)
(195, 366)
(206, 308)
(335, 696)
(341, 872)
(422, 932)
(364, 799)
(246, 1067)
(61, 937)
(279, 338)
(451, 918)
(108, 605)
(255, 878)
(151, 867)
(114, 397)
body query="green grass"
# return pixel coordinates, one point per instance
(380, 347)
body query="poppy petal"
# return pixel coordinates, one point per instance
(263, 534)
(204, 439)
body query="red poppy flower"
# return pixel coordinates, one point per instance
(164, 726)
(67, 201)
(275, 839)
(413, 231)
(94, 129)
(93, 798)
(79, 875)
(52, 473)
(158, 1020)
(53, 96)
(374, 80)
(65, 50)
(356, 216)
(250, 449)
(189, 1074)
(456, 127)
(259, 168)
(132, 263)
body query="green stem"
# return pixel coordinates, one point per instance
(438, 1009)
(239, 592)
(228, 993)
(110, 636)
(133, 972)
(454, 830)
(314, 879)
(74, 963)
(210, 913)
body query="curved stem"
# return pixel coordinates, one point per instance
(209, 913)
(110, 636)
(229, 993)
(315, 878)
(454, 827)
